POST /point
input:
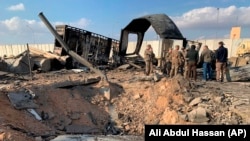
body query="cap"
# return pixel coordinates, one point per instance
(221, 43)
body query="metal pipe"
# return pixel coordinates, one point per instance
(28, 55)
(70, 52)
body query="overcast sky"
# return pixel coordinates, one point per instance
(206, 19)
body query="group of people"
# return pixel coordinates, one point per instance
(185, 61)
(182, 61)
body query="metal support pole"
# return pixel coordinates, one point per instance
(70, 52)
(28, 54)
(217, 22)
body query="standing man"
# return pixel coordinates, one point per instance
(206, 60)
(221, 56)
(193, 57)
(176, 61)
(148, 58)
(168, 63)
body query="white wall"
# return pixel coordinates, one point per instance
(14, 50)
(156, 45)
(231, 44)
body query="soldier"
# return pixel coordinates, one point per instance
(193, 57)
(168, 63)
(176, 61)
(148, 58)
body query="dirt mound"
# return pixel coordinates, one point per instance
(155, 104)
(171, 101)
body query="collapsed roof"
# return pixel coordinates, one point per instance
(161, 23)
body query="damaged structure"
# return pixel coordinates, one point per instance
(97, 48)
(93, 47)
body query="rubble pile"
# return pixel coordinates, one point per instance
(69, 102)
(41, 109)
(33, 60)
(173, 101)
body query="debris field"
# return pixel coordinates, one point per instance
(72, 102)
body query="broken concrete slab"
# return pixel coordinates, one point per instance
(97, 138)
(195, 101)
(42, 64)
(19, 65)
(22, 100)
(72, 83)
(198, 115)
(238, 73)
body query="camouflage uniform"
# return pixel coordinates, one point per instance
(168, 63)
(148, 58)
(176, 61)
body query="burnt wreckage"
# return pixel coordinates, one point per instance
(91, 46)
(97, 48)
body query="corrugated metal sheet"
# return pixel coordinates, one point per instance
(10, 50)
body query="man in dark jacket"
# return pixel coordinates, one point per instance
(193, 57)
(206, 59)
(221, 61)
